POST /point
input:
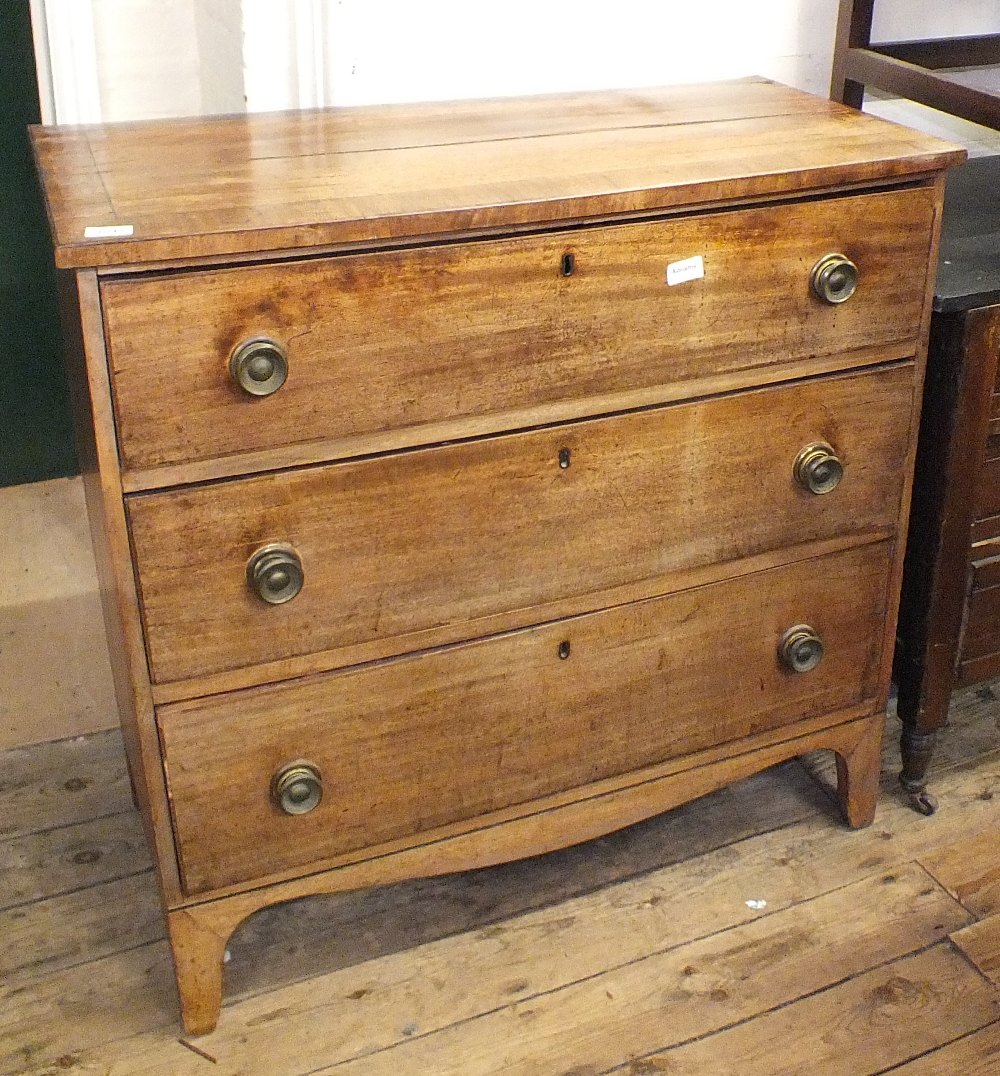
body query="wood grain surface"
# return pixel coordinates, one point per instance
(474, 537)
(970, 868)
(925, 998)
(519, 461)
(490, 335)
(61, 784)
(199, 931)
(954, 423)
(676, 994)
(980, 942)
(974, 1054)
(316, 983)
(98, 451)
(305, 179)
(424, 741)
(981, 636)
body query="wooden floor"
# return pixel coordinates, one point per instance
(747, 933)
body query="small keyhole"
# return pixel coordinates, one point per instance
(564, 458)
(564, 649)
(568, 264)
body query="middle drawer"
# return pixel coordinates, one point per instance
(440, 544)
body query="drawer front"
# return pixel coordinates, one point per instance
(424, 741)
(987, 495)
(482, 536)
(984, 563)
(475, 337)
(981, 636)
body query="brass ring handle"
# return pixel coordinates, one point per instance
(834, 278)
(297, 787)
(818, 468)
(800, 648)
(275, 573)
(259, 366)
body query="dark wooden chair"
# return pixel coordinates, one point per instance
(949, 621)
(921, 70)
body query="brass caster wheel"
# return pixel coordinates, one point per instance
(923, 802)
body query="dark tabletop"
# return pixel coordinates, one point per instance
(969, 264)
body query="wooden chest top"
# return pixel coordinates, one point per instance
(238, 185)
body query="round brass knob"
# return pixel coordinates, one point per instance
(800, 648)
(818, 468)
(297, 787)
(834, 278)
(259, 366)
(275, 573)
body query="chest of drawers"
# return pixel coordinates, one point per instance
(472, 480)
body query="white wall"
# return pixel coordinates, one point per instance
(147, 59)
(138, 59)
(451, 48)
(898, 20)
(180, 57)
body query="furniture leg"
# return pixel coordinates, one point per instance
(916, 748)
(854, 30)
(858, 770)
(199, 949)
(937, 574)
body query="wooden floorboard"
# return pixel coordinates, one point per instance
(678, 993)
(352, 929)
(59, 784)
(50, 1019)
(970, 870)
(40, 865)
(981, 944)
(76, 928)
(868, 1023)
(873, 951)
(977, 1054)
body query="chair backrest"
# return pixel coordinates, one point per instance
(915, 69)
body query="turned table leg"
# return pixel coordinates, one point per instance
(916, 749)
(858, 770)
(199, 949)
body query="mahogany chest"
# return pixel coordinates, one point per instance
(469, 480)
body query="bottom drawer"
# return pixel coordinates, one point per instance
(982, 626)
(422, 741)
(979, 649)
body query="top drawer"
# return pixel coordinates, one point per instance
(416, 345)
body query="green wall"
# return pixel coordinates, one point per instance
(36, 439)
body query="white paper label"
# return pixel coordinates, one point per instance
(689, 269)
(108, 231)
